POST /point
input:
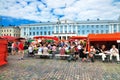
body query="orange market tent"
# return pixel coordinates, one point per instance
(104, 37)
(46, 37)
(108, 39)
(3, 51)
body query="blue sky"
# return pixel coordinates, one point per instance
(51, 10)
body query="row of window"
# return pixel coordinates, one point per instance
(39, 33)
(65, 27)
(79, 32)
(16, 35)
(9, 30)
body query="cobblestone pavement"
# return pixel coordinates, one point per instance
(48, 69)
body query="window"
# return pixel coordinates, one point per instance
(106, 26)
(88, 31)
(40, 33)
(33, 28)
(83, 32)
(102, 31)
(65, 31)
(87, 26)
(115, 31)
(97, 31)
(83, 26)
(37, 28)
(107, 31)
(78, 31)
(24, 33)
(30, 28)
(101, 26)
(4, 30)
(92, 31)
(92, 26)
(57, 31)
(24, 28)
(48, 32)
(30, 33)
(33, 33)
(73, 31)
(44, 27)
(37, 33)
(97, 26)
(45, 33)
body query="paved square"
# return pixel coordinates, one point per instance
(49, 69)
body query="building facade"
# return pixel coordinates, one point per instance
(66, 28)
(10, 31)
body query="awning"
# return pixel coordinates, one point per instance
(9, 38)
(104, 37)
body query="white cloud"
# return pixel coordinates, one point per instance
(71, 9)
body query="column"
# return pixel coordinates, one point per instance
(117, 27)
(55, 28)
(28, 32)
(63, 29)
(66, 37)
(71, 28)
(76, 29)
(112, 28)
(58, 28)
(67, 29)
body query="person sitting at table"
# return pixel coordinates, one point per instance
(97, 48)
(103, 52)
(40, 49)
(45, 49)
(92, 52)
(62, 50)
(83, 54)
(114, 52)
(30, 50)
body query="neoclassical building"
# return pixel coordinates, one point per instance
(10, 31)
(66, 28)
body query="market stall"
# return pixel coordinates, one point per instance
(106, 39)
(3, 51)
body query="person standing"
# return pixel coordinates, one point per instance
(14, 48)
(114, 52)
(21, 50)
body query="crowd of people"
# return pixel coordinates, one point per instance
(76, 50)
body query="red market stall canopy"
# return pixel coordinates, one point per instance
(47, 37)
(104, 37)
(3, 51)
(78, 37)
(9, 38)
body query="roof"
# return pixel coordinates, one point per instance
(104, 37)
